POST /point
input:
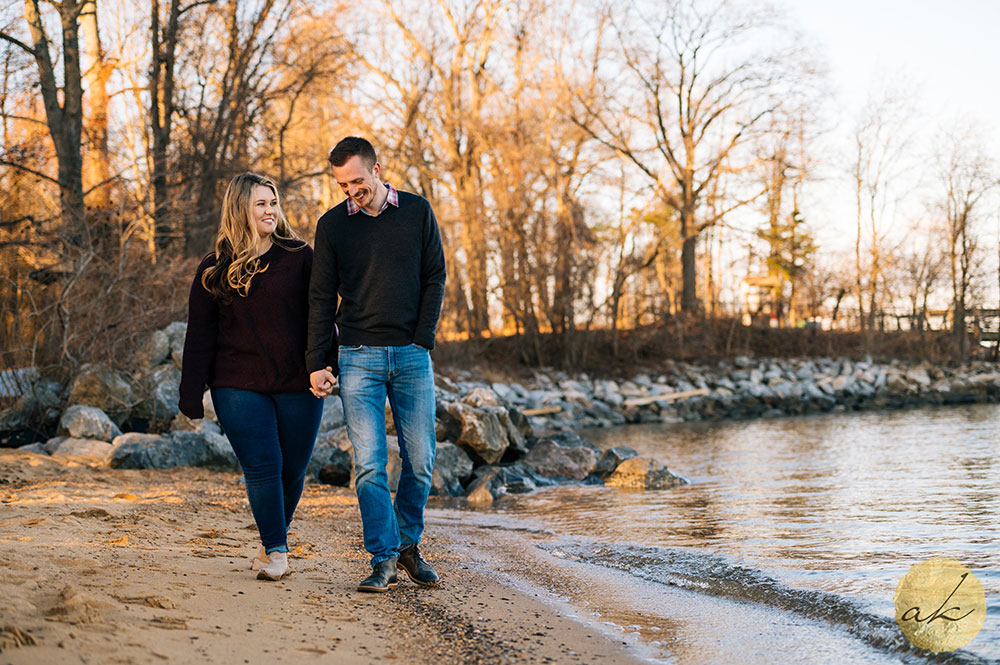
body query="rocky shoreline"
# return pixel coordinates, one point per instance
(493, 437)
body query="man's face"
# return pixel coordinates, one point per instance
(357, 180)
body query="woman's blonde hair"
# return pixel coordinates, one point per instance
(236, 262)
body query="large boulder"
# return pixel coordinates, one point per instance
(154, 350)
(452, 468)
(517, 444)
(446, 426)
(563, 455)
(333, 415)
(643, 473)
(480, 397)
(38, 404)
(611, 459)
(160, 394)
(99, 385)
(73, 447)
(337, 470)
(204, 447)
(87, 422)
(482, 435)
(176, 332)
(328, 447)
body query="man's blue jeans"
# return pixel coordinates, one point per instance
(369, 374)
(273, 437)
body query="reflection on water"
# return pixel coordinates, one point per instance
(842, 503)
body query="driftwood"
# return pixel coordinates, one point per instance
(543, 411)
(668, 397)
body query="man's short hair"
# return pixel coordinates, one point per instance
(351, 146)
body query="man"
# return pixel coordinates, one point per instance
(380, 251)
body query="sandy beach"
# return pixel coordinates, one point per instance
(111, 566)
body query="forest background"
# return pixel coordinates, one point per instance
(614, 182)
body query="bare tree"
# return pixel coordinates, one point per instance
(97, 174)
(881, 142)
(699, 80)
(65, 119)
(966, 175)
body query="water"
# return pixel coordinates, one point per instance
(811, 521)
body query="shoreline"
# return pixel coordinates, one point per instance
(144, 566)
(741, 389)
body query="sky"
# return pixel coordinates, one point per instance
(946, 54)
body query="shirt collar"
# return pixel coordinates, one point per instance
(392, 198)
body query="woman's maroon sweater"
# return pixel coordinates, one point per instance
(257, 342)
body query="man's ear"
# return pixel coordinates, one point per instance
(377, 169)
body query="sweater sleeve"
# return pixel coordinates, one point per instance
(199, 345)
(321, 348)
(432, 278)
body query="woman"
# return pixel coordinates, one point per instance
(246, 340)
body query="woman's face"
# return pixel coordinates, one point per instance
(265, 210)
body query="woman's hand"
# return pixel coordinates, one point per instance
(322, 382)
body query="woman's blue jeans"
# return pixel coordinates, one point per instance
(404, 374)
(273, 437)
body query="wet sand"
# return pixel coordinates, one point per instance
(110, 566)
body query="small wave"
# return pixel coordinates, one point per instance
(711, 574)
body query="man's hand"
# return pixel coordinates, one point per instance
(322, 382)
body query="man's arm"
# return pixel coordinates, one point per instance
(323, 286)
(432, 278)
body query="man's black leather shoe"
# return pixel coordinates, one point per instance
(416, 568)
(382, 579)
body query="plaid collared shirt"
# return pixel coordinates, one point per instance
(392, 198)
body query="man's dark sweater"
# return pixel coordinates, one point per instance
(255, 342)
(389, 273)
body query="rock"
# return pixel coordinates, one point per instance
(505, 393)
(160, 394)
(36, 447)
(73, 447)
(395, 465)
(154, 350)
(517, 444)
(333, 415)
(337, 470)
(564, 455)
(842, 383)
(390, 420)
(446, 383)
(99, 385)
(20, 415)
(486, 489)
(519, 478)
(482, 435)
(452, 468)
(325, 451)
(521, 422)
(87, 422)
(643, 473)
(611, 459)
(446, 426)
(175, 333)
(480, 397)
(919, 376)
(205, 447)
(209, 407)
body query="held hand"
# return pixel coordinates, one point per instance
(322, 382)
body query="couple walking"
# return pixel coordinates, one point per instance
(274, 326)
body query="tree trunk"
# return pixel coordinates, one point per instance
(689, 290)
(97, 166)
(65, 122)
(161, 94)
